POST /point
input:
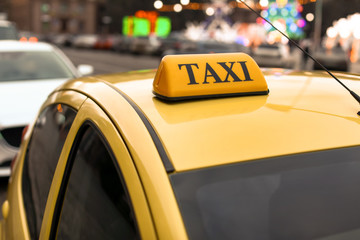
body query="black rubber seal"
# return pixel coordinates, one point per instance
(158, 144)
(184, 98)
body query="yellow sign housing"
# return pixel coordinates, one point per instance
(181, 77)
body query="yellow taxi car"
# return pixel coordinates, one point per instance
(205, 147)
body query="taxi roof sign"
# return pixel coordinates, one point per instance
(181, 77)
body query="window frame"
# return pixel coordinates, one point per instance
(67, 174)
(110, 130)
(24, 173)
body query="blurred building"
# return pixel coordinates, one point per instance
(4, 9)
(55, 16)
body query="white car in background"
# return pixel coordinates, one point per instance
(28, 73)
(144, 45)
(273, 56)
(85, 41)
(8, 30)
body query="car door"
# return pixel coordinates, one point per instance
(96, 192)
(33, 169)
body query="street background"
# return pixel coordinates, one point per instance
(112, 62)
(121, 35)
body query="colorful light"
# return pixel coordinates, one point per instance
(293, 27)
(281, 3)
(146, 23)
(331, 32)
(273, 11)
(177, 7)
(210, 11)
(267, 26)
(285, 14)
(294, 12)
(185, 2)
(163, 26)
(300, 8)
(264, 3)
(127, 22)
(357, 33)
(264, 14)
(310, 17)
(141, 27)
(158, 4)
(301, 23)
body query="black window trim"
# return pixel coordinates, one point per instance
(155, 137)
(70, 162)
(25, 173)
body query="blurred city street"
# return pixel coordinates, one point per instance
(45, 43)
(112, 62)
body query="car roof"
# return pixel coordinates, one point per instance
(13, 46)
(5, 23)
(304, 112)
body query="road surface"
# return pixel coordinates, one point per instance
(111, 62)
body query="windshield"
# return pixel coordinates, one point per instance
(303, 196)
(16, 66)
(8, 33)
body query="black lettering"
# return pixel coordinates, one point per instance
(229, 72)
(246, 71)
(190, 72)
(212, 74)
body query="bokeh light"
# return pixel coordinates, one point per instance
(158, 4)
(264, 3)
(210, 11)
(177, 7)
(185, 2)
(331, 32)
(310, 17)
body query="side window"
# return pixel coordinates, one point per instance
(96, 204)
(43, 152)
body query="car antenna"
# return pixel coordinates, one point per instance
(357, 98)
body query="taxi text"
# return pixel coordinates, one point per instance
(210, 72)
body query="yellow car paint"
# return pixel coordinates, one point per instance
(303, 112)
